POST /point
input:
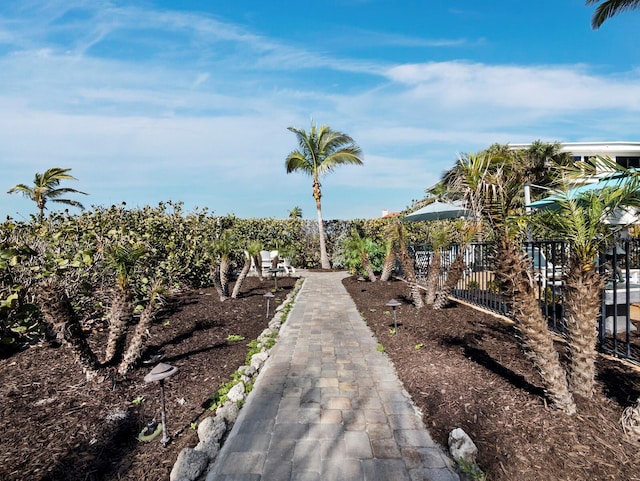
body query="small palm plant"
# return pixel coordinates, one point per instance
(253, 250)
(439, 235)
(465, 232)
(122, 259)
(359, 247)
(389, 261)
(397, 233)
(221, 250)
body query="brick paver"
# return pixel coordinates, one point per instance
(328, 406)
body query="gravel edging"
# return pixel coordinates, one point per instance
(193, 462)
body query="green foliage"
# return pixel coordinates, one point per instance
(380, 348)
(234, 338)
(138, 400)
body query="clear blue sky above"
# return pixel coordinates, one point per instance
(190, 101)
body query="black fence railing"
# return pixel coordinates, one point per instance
(617, 331)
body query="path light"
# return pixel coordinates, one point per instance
(274, 272)
(268, 295)
(361, 279)
(160, 373)
(393, 303)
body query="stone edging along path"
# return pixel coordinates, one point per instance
(192, 462)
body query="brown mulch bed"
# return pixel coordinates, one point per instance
(464, 368)
(57, 426)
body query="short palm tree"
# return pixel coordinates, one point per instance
(491, 184)
(320, 151)
(580, 220)
(360, 247)
(122, 259)
(58, 312)
(439, 235)
(253, 251)
(397, 233)
(389, 261)
(221, 249)
(609, 8)
(45, 188)
(465, 231)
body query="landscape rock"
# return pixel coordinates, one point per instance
(248, 371)
(212, 428)
(210, 447)
(236, 393)
(462, 447)
(258, 359)
(190, 465)
(229, 412)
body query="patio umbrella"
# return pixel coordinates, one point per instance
(438, 211)
(621, 216)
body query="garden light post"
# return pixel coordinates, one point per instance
(268, 295)
(393, 303)
(274, 272)
(160, 373)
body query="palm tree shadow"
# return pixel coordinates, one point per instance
(481, 357)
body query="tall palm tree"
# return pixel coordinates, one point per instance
(45, 188)
(320, 151)
(609, 8)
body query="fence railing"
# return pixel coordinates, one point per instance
(620, 308)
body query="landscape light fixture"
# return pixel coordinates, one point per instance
(274, 272)
(268, 295)
(393, 303)
(160, 373)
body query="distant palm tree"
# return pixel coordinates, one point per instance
(609, 8)
(45, 188)
(295, 213)
(320, 151)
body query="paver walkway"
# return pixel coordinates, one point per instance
(328, 406)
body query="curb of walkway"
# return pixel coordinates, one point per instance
(193, 463)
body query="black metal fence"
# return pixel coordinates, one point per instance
(620, 311)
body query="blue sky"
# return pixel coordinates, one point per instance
(190, 101)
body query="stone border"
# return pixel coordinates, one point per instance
(192, 462)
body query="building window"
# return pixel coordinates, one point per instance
(628, 162)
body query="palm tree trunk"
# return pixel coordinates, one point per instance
(215, 277)
(582, 308)
(225, 268)
(57, 312)
(257, 262)
(366, 263)
(241, 277)
(435, 269)
(324, 258)
(512, 270)
(387, 267)
(453, 276)
(134, 351)
(119, 318)
(415, 292)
